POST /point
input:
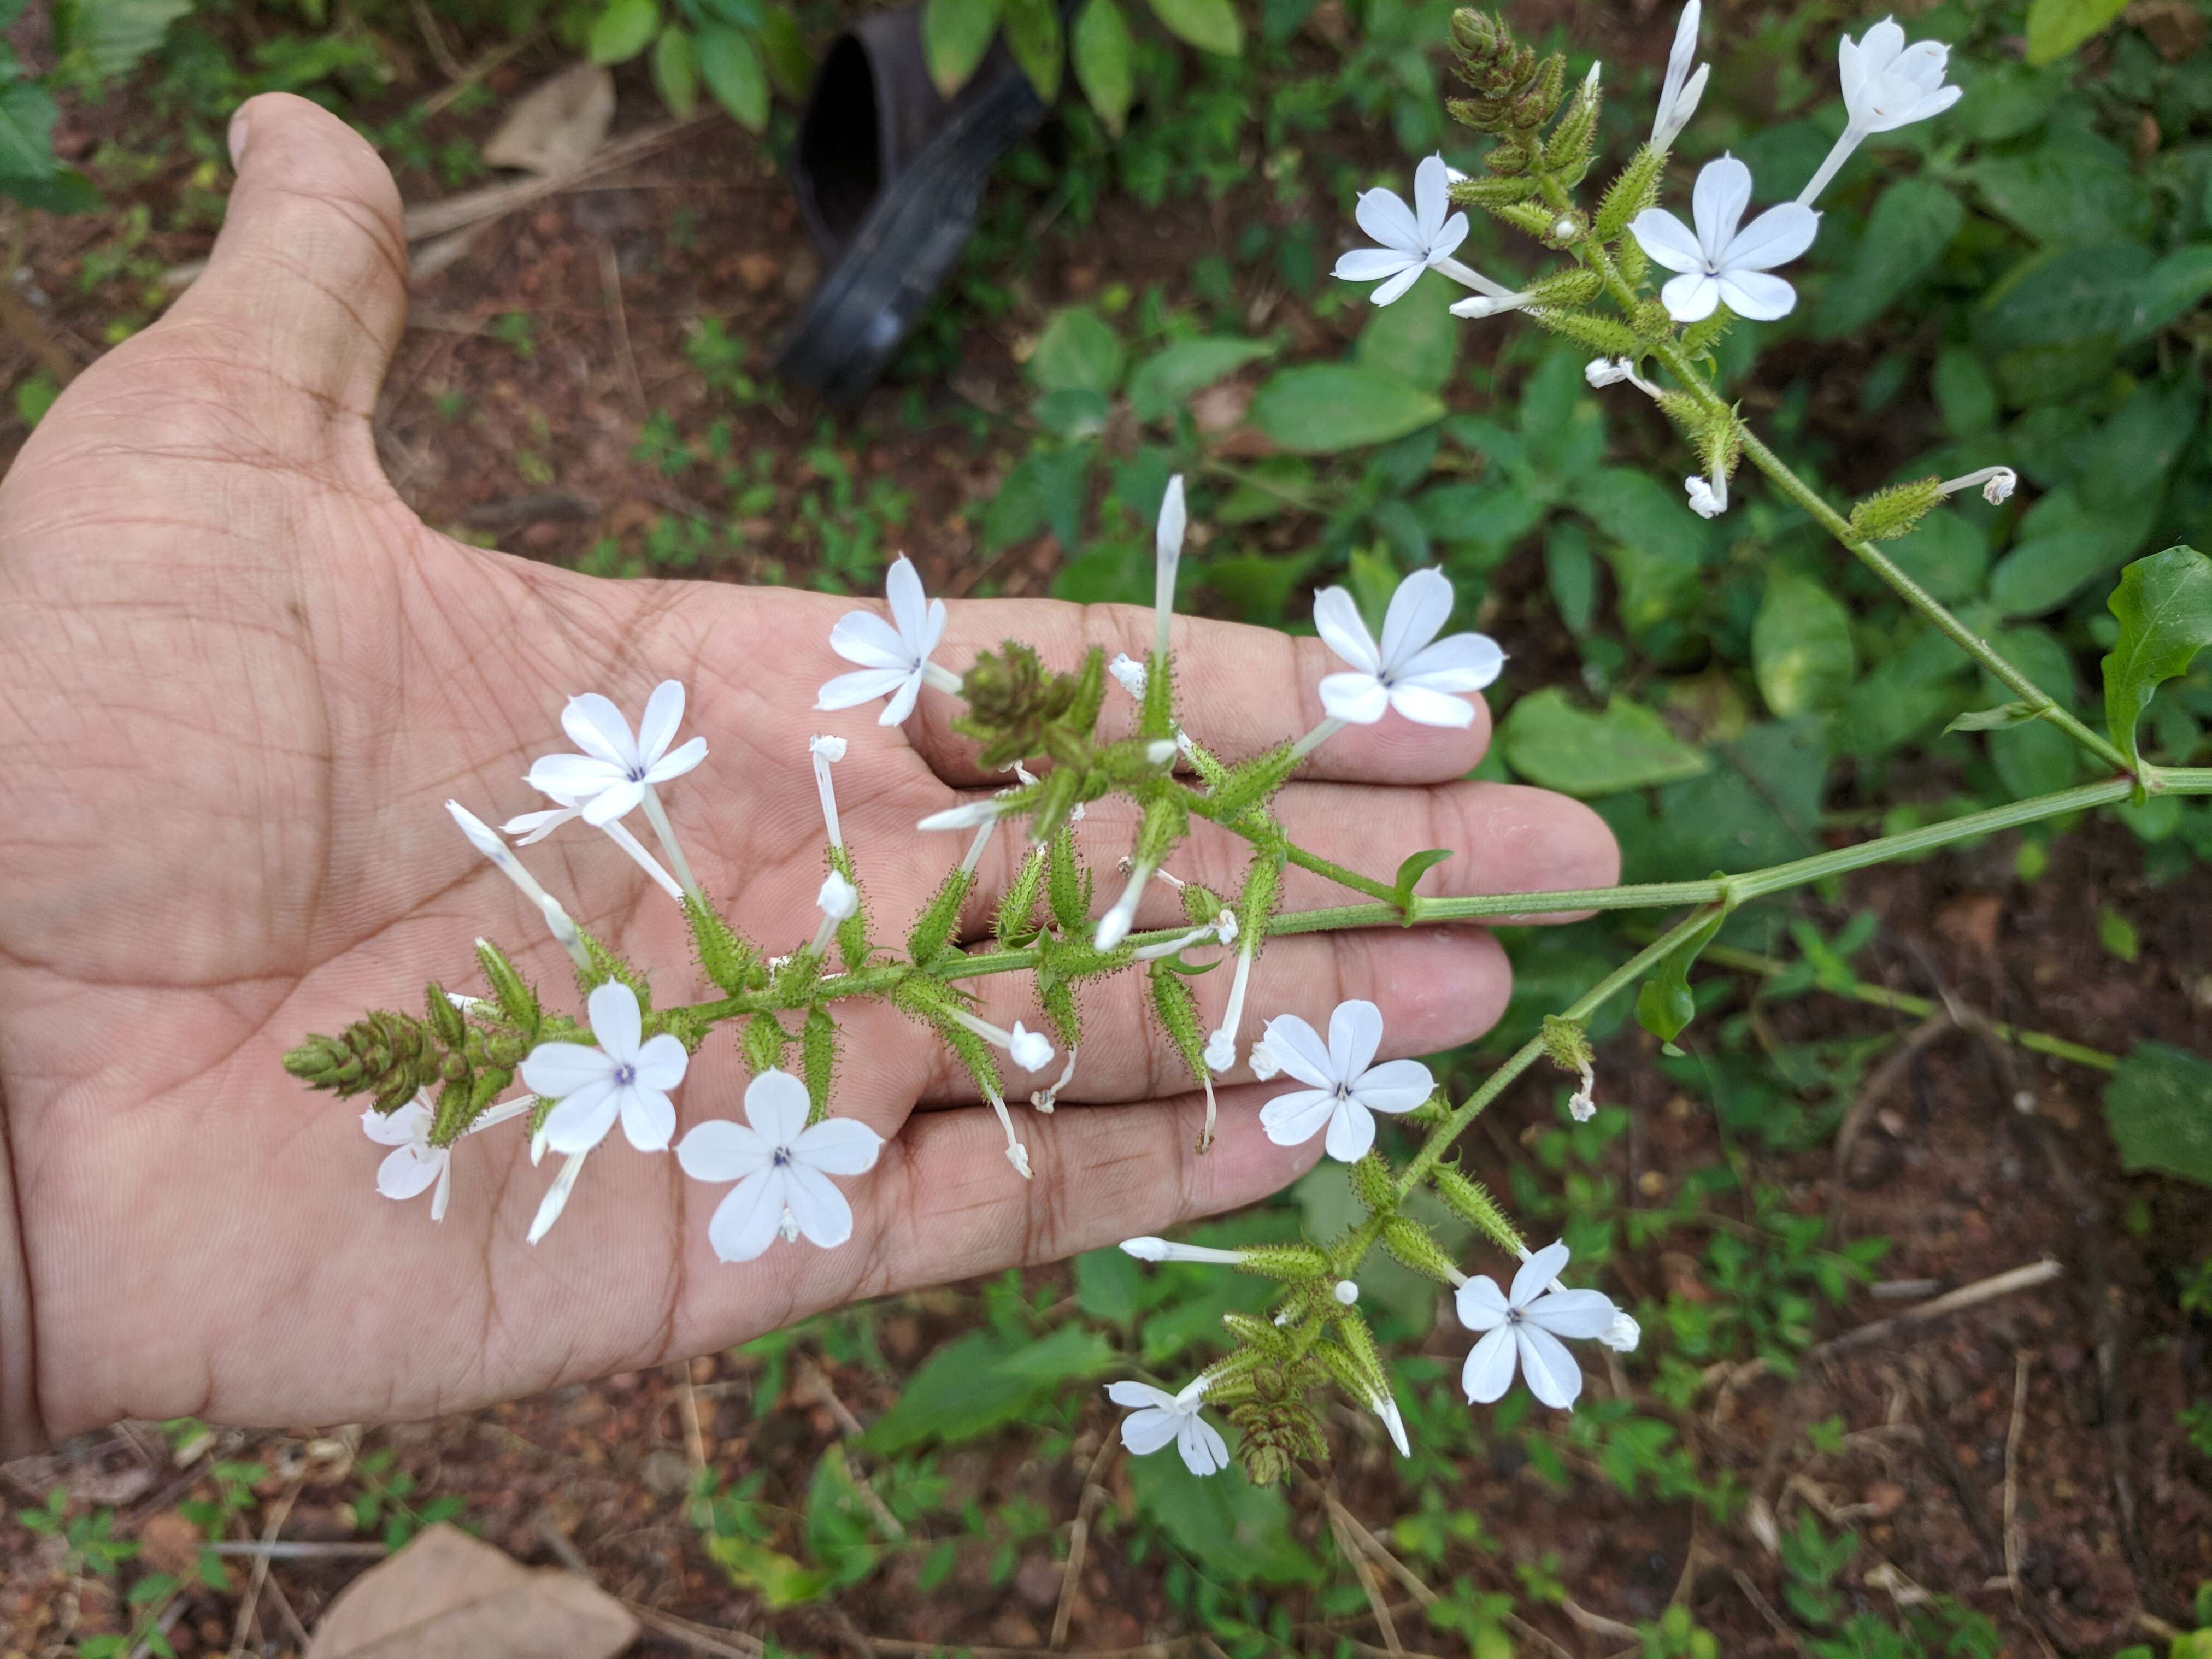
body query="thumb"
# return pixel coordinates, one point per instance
(307, 287)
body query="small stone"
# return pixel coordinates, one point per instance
(169, 1543)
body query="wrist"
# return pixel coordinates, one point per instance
(22, 1430)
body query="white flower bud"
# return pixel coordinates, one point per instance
(1346, 1292)
(1030, 1050)
(1160, 750)
(1705, 500)
(1623, 1334)
(1220, 1052)
(1606, 370)
(1161, 1249)
(839, 900)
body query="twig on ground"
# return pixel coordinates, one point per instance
(298, 1549)
(2011, 1534)
(687, 1401)
(2025, 1278)
(1173, 1645)
(1775, 1620)
(700, 1638)
(433, 37)
(1366, 1572)
(1876, 1089)
(246, 1609)
(1078, 1540)
(472, 73)
(850, 1428)
(1596, 1623)
(611, 285)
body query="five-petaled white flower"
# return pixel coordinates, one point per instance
(624, 1076)
(611, 776)
(1412, 239)
(1345, 1088)
(782, 1167)
(894, 656)
(1422, 681)
(414, 1163)
(1160, 1417)
(1526, 1325)
(1680, 93)
(1722, 262)
(1887, 85)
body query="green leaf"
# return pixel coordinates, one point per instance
(67, 191)
(1033, 36)
(2169, 288)
(2075, 190)
(1800, 646)
(2065, 544)
(975, 1384)
(1103, 52)
(783, 46)
(2055, 27)
(27, 125)
(2118, 934)
(840, 1524)
(1665, 1007)
(1079, 351)
(1326, 408)
(1234, 1530)
(1414, 868)
(1044, 489)
(2001, 719)
(2077, 294)
(1947, 554)
(1417, 339)
(1910, 226)
(624, 29)
(1165, 381)
(110, 36)
(2159, 1108)
(1549, 741)
(676, 71)
(778, 1579)
(955, 36)
(2164, 604)
(1106, 1284)
(734, 74)
(1209, 25)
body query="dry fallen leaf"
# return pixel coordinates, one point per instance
(557, 124)
(446, 1596)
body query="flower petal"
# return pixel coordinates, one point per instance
(595, 726)
(1462, 662)
(661, 1062)
(745, 1223)
(1489, 1368)
(1337, 620)
(851, 691)
(719, 1150)
(777, 1103)
(1536, 1274)
(1297, 1047)
(1551, 1374)
(1294, 1119)
(1371, 264)
(1446, 241)
(1757, 294)
(838, 1146)
(823, 1217)
(1774, 238)
(909, 607)
(677, 764)
(1666, 240)
(1431, 203)
(1691, 299)
(933, 630)
(531, 827)
(1881, 45)
(1146, 1431)
(1355, 1032)
(403, 1175)
(393, 1128)
(1383, 214)
(581, 1120)
(616, 1025)
(616, 801)
(1480, 1303)
(1418, 704)
(648, 1118)
(1851, 70)
(1717, 204)
(557, 1069)
(1678, 58)
(664, 713)
(1351, 1132)
(1140, 1394)
(902, 701)
(1583, 1314)
(1395, 1086)
(1204, 1451)
(863, 637)
(1356, 699)
(573, 777)
(1390, 292)
(1418, 613)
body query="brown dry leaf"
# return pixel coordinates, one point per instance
(557, 124)
(446, 1596)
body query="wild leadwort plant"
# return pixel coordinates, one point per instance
(436, 1077)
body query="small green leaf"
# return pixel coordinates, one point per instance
(779, 1580)
(2164, 604)
(1800, 646)
(676, 71)
(27, 125)
(955, 36)
(1549, 741)
(1415, 866)
(1664, 1006)
(1417, 339)
(1325, 408)
(975, 1384)
(2055, 27)
(1910, 226)
(733, 73)
(624, 29)
(2159, 1108)
(1103, 69)
(1993, 720)
(1033, 36)
(1165, 381)
(1209, 25)
(2168, 288)
(1079, 351)
(2118, 937)
(109, 36)
(783, 46)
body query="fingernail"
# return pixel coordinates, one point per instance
(238, 126)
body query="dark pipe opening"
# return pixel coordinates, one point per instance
(840, 162)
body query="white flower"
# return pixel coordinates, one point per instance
(1407, 673)
(1265, 1067)
(1527, 1325)
(1722, 262)
(972, 815)
(1345, 1088)
(894, 656)
(1346, 1292)
(1161, 1417)
(611, 776)
(1680, 93)
(1412, 239)
(1887, 84)
(1394, 1421)
(1160, 1249)
(531, 827)
(414, 1163)
(1030, 1050)
(624, 1076)
(839, 900)
(782, 1167)
(1130, 674)
(1623, 1334)
(1167, 556)
(1706, 500)
(1997, 483)
(1601, 372)
(486, 841)
(827, 752)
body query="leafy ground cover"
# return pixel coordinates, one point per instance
(1797, 1460)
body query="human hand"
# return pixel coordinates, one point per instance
(242, 677)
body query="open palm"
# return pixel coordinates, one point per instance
(240, 679)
